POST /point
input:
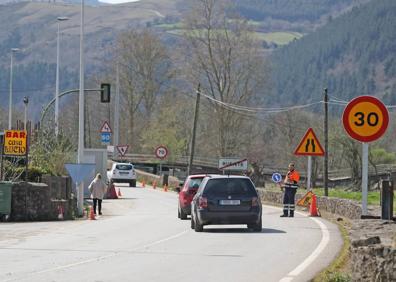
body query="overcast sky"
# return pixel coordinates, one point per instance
(117, 1)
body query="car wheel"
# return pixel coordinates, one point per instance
(192, 223)
(256, 227)
(197, 226)
(178, 211)
(132, 183)
(183, 215)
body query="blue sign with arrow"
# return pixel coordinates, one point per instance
(276, 177)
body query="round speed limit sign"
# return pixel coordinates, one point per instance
(161, 152)
(365, 118)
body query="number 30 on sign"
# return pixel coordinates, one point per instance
(365, 118)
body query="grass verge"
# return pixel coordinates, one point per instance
(339, 269)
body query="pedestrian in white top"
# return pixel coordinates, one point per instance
(98, 189)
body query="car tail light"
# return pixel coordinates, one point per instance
(183, 195)
(255, 202)
(114, 172)
(203, 203)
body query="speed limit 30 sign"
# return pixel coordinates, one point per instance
(365, 118)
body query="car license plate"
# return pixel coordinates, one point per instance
(230, 202)
(123, 172)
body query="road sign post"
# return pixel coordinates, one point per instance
(161, 152)
(365, 119)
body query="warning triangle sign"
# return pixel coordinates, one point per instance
(309, 145)
(122, 149)
(105, 128)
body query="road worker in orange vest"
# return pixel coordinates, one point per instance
(290, 184)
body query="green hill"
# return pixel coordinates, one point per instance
(353, 55)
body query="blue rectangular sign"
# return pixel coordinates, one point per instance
(106, 137)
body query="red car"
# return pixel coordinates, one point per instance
(186, 194)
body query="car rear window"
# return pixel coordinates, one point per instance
(229, 186)
(124, 167)
(194, 183)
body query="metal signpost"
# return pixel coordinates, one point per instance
(365, 119)
(309, 146)
(161, 152)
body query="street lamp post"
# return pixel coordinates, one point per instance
(26, 102)
(80, 147)
(10, 98)
(59, 19)
(81, 101)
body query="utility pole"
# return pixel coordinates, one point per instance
(192, 148)
(326, 144)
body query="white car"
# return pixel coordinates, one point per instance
(122, 172)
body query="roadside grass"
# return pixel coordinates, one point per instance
(339, 270)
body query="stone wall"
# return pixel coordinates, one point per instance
(373, 250)
(42, 201)
(347, 208)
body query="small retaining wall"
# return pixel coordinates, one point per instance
(42, 201)
(150, 178)
(347, 208)
(373, 254)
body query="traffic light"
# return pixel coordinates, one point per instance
(105, 92)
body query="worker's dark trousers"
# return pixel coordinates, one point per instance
(288, 201)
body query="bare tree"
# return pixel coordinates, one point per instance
(223, 55)
(145, 73)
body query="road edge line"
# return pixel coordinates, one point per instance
(311, 258)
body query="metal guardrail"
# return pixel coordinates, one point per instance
(211, 162)
(183, 160)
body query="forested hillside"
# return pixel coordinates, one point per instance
(289, 10)
(353, 55)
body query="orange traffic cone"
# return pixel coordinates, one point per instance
(154, 184)
(119, 193)
(144, 183)
(313, 210)
(165, 188)
(91, 214)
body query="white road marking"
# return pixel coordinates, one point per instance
(102, 257)
(322, 245)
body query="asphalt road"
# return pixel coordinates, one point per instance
(140, 238)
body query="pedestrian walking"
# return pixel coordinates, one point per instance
(290, 184)
(97, 188)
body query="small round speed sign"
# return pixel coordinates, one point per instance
(161, 152)
(365, 118)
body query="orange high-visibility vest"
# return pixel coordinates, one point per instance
(292, 177)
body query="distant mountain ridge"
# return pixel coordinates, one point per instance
(352, 55)
(31, 26)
